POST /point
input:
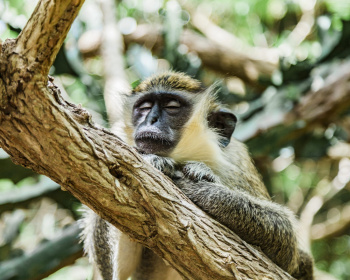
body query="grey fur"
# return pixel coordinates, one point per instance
(152, 267)
(103, 249)
(258, 221)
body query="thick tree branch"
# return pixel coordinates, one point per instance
(39, 130)
(46, 30)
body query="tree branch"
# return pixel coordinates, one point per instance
(264, 61)
(46, 259)
(332, 228)
(317, 107)
(43, 35)
(19, 198)
(321, 196)
(41, 131)
(304, 26)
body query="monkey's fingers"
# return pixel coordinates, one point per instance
(164, 164)
(198, 171)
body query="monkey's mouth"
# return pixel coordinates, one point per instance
(153, 143)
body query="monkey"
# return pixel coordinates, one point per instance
(180, 128)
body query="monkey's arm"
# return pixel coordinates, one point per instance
(259, 222)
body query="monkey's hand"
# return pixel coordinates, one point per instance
(198, 171)
(164, 164)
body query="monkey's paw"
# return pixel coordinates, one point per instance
(164, 164)
(198, 171)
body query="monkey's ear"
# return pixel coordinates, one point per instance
(224, 123)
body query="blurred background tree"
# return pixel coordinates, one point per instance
(282, 66)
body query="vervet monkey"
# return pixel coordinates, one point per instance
(182, 130)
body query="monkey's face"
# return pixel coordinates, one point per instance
(158, 119)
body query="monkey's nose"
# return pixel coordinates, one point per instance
(154, 115)
(154, 119)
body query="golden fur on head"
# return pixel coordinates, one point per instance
(170, 81)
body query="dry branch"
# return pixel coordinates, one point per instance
(317, 107)
(41, 131)
(19, 198)
(321, 196)
(332, 228)
(46, 259)
(327, 103)
(265, 60)
(304, 26)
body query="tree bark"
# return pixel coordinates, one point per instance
(41, 131)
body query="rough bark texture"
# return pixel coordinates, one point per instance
(41, 131)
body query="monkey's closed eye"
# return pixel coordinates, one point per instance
(173, 104)
(146, 105)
